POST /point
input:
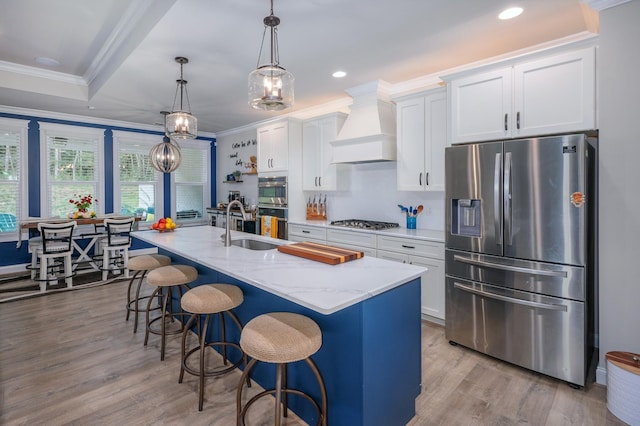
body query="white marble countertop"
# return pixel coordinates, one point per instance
(419, 234)
(318, 286)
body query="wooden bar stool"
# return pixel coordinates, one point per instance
(205, 301)
(281, 338)
(141, 265)
(165, 278)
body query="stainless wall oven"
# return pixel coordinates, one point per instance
(272, 203)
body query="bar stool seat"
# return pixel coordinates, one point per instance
(165, 278)
(141, 265)
(207, 300)
(281, 338)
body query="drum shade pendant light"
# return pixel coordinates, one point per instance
(180, 123)
(165, 157)
(270, 85)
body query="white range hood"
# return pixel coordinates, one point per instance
(369, 133)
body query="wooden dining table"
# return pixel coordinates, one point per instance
(83, 255)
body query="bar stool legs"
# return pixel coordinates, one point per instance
(142, 265)
(204, 302)
(281, 338)
(165, 278)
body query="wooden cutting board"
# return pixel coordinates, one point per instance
(321, 252)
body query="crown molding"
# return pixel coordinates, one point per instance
(601, 5)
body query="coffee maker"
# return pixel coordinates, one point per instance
(234, 195)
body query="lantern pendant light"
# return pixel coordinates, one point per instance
(180, 123)
(165, 157)
(270, 85)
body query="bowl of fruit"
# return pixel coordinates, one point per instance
(164, 224)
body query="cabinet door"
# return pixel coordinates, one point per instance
(411, 144)
(273, 147)
(332, 176)
(481, 106)
(279, 147)
(432, 286)
(264, 149)
(311, 154)
(435, 141)
(555, 94)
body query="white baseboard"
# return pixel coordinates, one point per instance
(22, 267)
(601, 375)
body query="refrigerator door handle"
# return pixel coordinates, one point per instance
(496, 198)
(490, 295)
(562, 274)
(508, 217)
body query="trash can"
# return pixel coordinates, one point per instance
(623, 386)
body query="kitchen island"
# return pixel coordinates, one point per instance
(368, 310)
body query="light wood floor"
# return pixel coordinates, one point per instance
(70, 358)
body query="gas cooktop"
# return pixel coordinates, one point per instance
(364, 224)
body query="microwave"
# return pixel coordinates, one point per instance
(272, 191)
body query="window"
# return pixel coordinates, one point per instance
(137, 185)
(72, 166)
(13, 176)
(191, 182)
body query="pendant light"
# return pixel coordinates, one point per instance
(180, 123)
(270, 85)
(165, 157)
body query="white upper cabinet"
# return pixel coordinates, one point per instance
(318, 173)
(554, 94)
(273, 147)
(422, 138)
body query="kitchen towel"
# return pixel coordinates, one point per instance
(269, 226)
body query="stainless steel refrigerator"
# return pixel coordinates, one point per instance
(521, 227)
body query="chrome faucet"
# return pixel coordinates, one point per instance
(227, 233)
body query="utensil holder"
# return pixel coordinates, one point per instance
(411, 222)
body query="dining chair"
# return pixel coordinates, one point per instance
(115, 246)
(55, 246)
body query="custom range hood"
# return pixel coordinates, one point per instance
(369, 132)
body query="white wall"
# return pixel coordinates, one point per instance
(373, 195)
(232, 149)
(619, 97)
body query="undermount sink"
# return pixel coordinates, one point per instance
(253, 244)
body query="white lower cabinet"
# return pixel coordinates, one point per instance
(421, 253)
(362, 241)
(314, 234)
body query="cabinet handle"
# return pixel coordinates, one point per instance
(420, 179)
(305, 231)
(315, 181)
(518, 120)
(506, 127)
(319, 180)
(427, 178)
(409, 247)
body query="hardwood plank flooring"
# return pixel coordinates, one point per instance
(71, 358)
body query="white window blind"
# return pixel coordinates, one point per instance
(137, 185)
(191, 183)
(72, 158)
(13, 144)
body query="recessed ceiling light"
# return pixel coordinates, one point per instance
(512, 12)
(50, 62)
(339, 74)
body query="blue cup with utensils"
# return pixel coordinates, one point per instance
(411, 222)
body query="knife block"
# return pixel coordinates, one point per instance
(314, 215)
